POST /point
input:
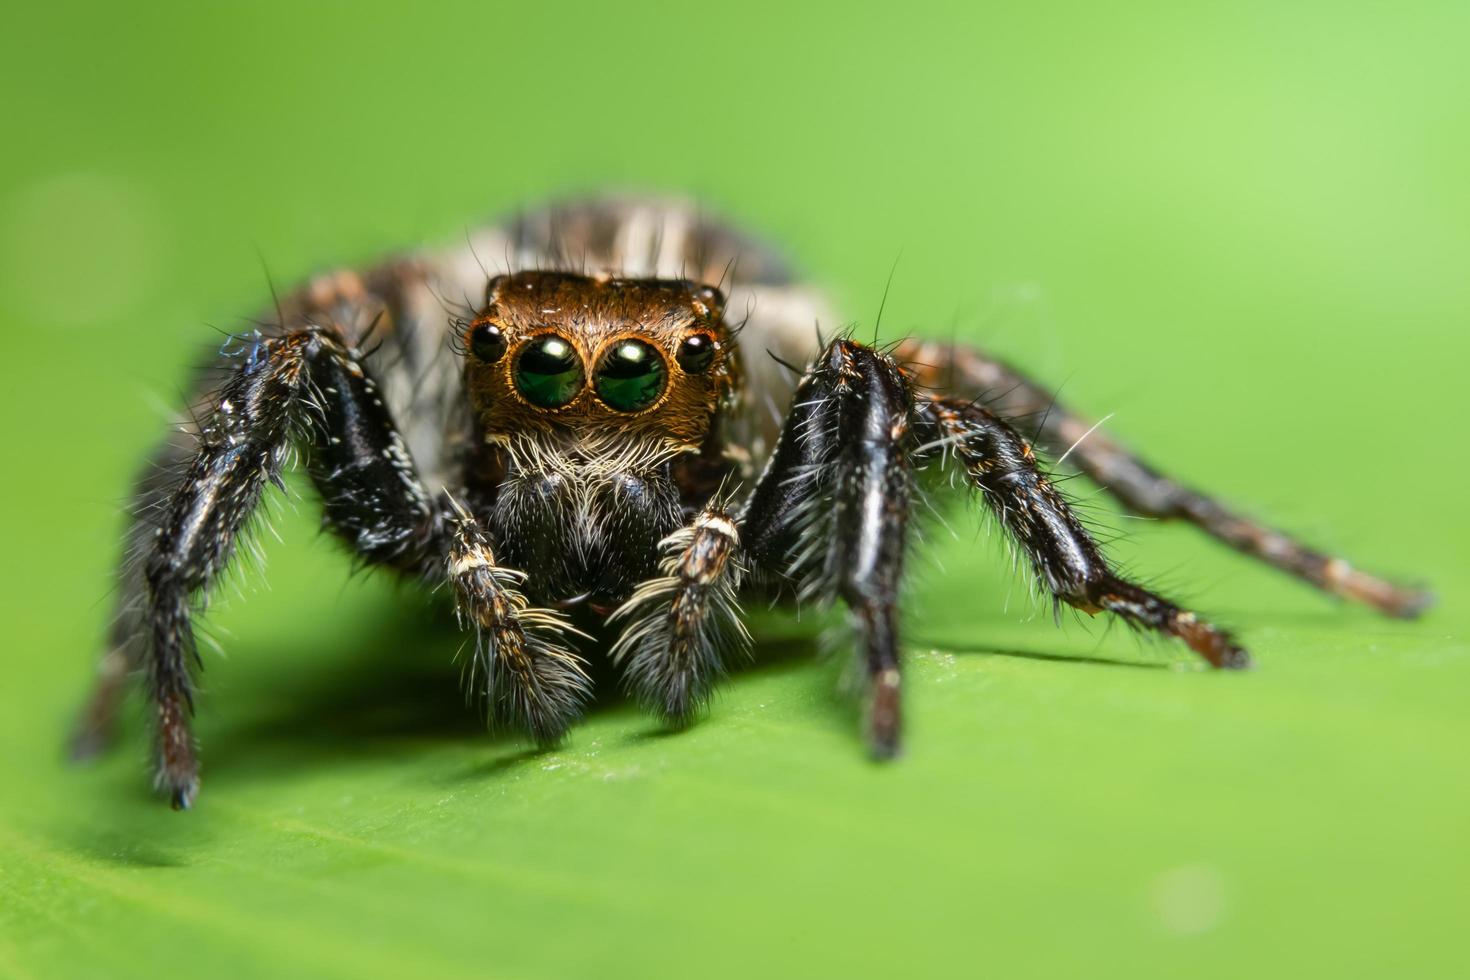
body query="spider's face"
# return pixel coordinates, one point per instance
(596, 361)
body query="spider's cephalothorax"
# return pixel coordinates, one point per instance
(586, 392)
(582, 438)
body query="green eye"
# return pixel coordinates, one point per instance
(630, 376)
(548, 372)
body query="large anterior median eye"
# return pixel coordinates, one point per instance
(548, 372)
(630, 376)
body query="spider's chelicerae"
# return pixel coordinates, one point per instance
(596, 436)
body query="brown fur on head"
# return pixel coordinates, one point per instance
(592, 314)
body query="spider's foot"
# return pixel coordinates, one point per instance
(1142, 608)
(179, 782)
(885, 718)
(1235, 658)
(1393, 600)
(178, 764)
(1214, 644)
(182, 797)
(884, 747)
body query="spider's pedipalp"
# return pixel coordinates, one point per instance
(685, 627)
(522, 665)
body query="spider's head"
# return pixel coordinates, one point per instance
(599, 361)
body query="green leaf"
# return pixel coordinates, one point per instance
(1245, 231)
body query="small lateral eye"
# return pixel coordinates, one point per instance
(487, 343)
(630, 376)
(696, 353)
(548, 372)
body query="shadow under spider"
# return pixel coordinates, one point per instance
(389, 689)
(394, 686)
(1041, 655)
(391, 685)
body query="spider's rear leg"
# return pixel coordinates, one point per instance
(1000, 463)
(522, 665)
(684, 627)
(833, 504)
(957, 369)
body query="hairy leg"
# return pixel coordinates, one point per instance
(831, 509)
(360, 465)
(371, 493)
(242, 447)
(96, 726)
(961, 370)
(1001, 464)
(303, 388)
(684, 627)
(522, 666)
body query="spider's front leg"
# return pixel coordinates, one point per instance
(1001, 464)
(522, 665)
(304, 387)
(831, 509)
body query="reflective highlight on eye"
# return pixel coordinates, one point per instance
(548, 372)
(630, 376)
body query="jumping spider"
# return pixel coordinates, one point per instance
(595, 437)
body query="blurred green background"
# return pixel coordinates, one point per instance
(1244, 228)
